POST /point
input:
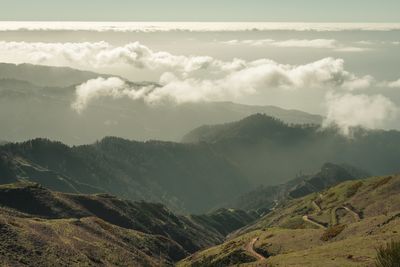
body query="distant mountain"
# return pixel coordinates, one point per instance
(265, 198)
(339, 226)
(269, 151)
(45, 75)
(186, 177)
(35, 101)
(38, 224)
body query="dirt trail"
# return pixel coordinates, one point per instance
(250, 248)
(355, 214)
(316, 206)
(307, 219)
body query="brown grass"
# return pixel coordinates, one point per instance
(332, 232)
(381, 182)
(352, 190)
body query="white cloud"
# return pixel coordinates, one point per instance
(359, 83)
(101, 54)
(394, 84)
(352, 49)
(299, 43)
(315, 43)
(96, 88)
(190, 26)
(231, 81)
(347, 111)
(251, 74)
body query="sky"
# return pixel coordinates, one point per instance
(205, 10)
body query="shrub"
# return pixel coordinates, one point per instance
(389, 255)
(381, 182)
(352, 190)
(332, 232)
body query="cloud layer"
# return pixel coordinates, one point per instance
(300, 43)
(203, 78)
(190, 26)
(195, 69)
(206, 79)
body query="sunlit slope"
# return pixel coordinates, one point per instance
(341, 226)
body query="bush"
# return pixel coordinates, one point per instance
(389, 255)
(381, 182)
(352, 190)
(332, 232)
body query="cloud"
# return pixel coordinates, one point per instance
(299, 43)
(395, 84)
(229, 80)
(103, 54)
(352, 49)
(96, 88)
(191, 26)
(348, 110)
(328, 71)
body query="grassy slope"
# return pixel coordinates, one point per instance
(287, 240)
(148, 218)
(88, 241)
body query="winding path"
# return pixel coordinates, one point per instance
(316, 206)
(250, 248)
(307, 219)
(355, 214)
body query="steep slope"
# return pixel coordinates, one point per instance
(176, 174)
(269, 151)
(154, 219)
(341, 226)
(265, 198)
(225, 221)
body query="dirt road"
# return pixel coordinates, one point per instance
(250, 248)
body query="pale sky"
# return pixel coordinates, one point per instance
(205, 10)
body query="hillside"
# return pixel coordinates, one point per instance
(175, 174)
(269, 151)
(36, 218)
(340, 226)
(265, 198)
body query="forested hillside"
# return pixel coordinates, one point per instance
(269, 151)
(178, 175)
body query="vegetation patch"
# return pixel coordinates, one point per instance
(353, 189)
(381, 182)
(332, 232)
(389, 255)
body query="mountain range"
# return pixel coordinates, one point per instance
(230, 161)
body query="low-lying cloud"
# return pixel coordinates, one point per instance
(224, 80)
(348, 110)
(394, 84)
(191, 26)
(300, 43)
(196, 69)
